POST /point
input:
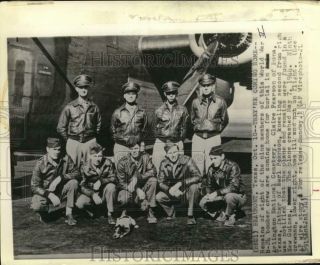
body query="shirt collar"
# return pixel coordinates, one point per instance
(176, 163)
(132, 108)
(123, 107)
(212, 97)
(77, 102)
(49, 160)
(137, 162)
(100, 167)
(173, 105)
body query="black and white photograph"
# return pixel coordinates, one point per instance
(130, 143)
(156, 132)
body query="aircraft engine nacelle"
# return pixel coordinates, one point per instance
(170, 57)
(234, 49)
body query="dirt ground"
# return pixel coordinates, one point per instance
(31, 237)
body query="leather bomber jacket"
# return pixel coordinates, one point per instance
(78, 122)
(209, 116)
(224, 179)
(171, 124)
(184, 170)
(127, 128)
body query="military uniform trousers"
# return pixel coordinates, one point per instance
(66, 192)
(232, 201)
(191, 197)
(201, 148)
(125, 197)
(159, 153)
(79, 151)
(108, 196)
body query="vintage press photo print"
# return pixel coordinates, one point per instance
(142, 142)
(190, 145)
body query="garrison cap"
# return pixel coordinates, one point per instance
(207, 79)
(53, 142)
(170, 86)
(130, 87)
(82, 80)
(96, 149)
(169, 145)
(216, 150)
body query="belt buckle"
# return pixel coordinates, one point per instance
(205, 135)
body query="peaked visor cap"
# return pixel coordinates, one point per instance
(207, 79)
(130, 87)
(170, 86)
(82, 81)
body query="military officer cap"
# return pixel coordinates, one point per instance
(169, 145)
(170, 86)
(130, 87)
(207, 79)
(82, 81)
(53, 142)
(216, 150)
(96, 149)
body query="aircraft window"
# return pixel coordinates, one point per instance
(19, 82)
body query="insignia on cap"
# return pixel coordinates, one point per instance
(82, 80)
(130, 87)
(207, 79)
(170, 86)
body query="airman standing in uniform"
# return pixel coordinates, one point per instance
(54, 179)
(128, 122)
(170, 123)
(209, 117)
(80, 121)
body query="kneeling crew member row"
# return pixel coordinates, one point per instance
(57, 183)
